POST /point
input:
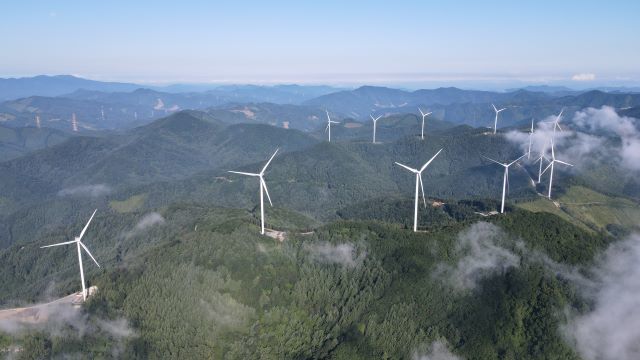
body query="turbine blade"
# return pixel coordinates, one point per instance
(266, 191)
(244, 173)
(328, 118)
(406, 167)
(421, 112)
(88, 252)
(559, 127)
(58, 244)
(429, 162)
(547, 168)
(562, 162)
(86, 226)
(268, 162)
(494, 108)
(516, 160)
(429, 113)
(490, 159)
(424, 200)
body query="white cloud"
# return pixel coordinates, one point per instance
(586, 139)
(95, 190)
(583, 77)
(147, 221)
(480, 256)
(438, 350)
(611, 331)
(344, 254)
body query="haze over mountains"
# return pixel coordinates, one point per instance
(113, 106)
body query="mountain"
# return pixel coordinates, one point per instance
(185, 274)
(288, 116)
(171, 148)
(17, 142)
(43, 85)
(359, 103)
(91, 115)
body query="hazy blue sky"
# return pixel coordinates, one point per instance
(323, 41)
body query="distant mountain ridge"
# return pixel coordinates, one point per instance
(43, 85)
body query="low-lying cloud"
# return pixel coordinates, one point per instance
(95, 190)
(587, 138)
(611, 330)
(344, 254)
(481, 256)
(584, 77)
(62, 319)
(438, 350)
(147, 221)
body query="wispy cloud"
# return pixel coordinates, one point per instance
(344, 254)
(586, 138)
(95, 190)
(147, 221)
(583, 77)
(481, 255)
(438, 350)
(611, 330)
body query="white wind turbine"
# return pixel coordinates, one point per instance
(556, 123)
(419, 181)
(551, 165)
(495, 122)
(263, 187)
(329, 122)
(542, 157)
(424, 115)
(79, 244)
(505, 181)
(375, 121)
(530, 140)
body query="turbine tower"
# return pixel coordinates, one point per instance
(38, 121)
(505, 181)
(418, 181)
(74, 122)
(530, 140)
(495, 122)
(375, 121)
(263, 188)
(551, 165)
(79, 245)
(329, 122)
(424, 115)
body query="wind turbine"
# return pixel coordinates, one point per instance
(424, 115)
(505, 181)
(375, 121)
(418, 180)
(79, 244)
(329, 122)
(551, 165)
(495, 122)
(530, 140)
(556, 123)
(542, 156)
(263, 187)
